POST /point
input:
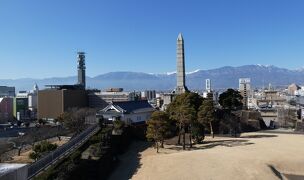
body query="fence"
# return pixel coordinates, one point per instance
(74, 143)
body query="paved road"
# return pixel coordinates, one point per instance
(13, 132)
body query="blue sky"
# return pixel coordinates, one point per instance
(40, 38)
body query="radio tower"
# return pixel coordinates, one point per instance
(81, 69)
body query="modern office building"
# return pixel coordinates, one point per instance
(33, 98)
(208, 85)
(21, 110)
(57, 99)
(101, 99)
(148, 94)
(53, 102)
(244, 89)
(6, 91)
(6, 109)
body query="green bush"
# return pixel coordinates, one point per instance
(198, 132)
(34, 155)
(42, 147)
(118, 124)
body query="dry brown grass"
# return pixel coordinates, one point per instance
(24, 157)
(252, 156)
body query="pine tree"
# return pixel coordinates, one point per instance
(231, 100)
(186, 115)
(206, 114)
(158, 127)
(183, 111)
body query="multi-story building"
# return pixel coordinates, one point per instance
(292, 89)
(6, 109)
(21, 110)
(6, 91)
(208, 85)
(148, 94)
(166, 98)
(271, 98)
(33, 98)
(101, 99)
(272, 105)
(57, 99)
(244, 89)
(53, 102)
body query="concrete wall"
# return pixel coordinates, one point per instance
(74, 98)
(96, 101)
(19, 172)
(138, 117)
(51, 103)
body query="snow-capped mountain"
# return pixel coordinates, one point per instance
(223, 77)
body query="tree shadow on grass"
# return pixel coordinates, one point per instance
(259, 136)
(129, 162)
(275, 172)
(281, 176)
(294, 176)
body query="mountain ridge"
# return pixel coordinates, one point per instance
(223, 77)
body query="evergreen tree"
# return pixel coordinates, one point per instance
(42, 148)
(198, 133)
(206, 114)
(186, 116)
(158, 127)
(183, 111)
(231, 100)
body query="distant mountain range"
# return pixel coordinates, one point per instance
(223, 77)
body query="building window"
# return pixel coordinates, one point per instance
(138, 118)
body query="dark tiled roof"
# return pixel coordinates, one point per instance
(130, 106)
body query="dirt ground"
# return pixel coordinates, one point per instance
(258, 155)
(24, 157)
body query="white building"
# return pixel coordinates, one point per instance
(33, 98)
(132, 112)
(148, 94)
(208, 85)
(244, 85)
(167, 98)
(299, 92)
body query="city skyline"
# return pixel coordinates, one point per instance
(131, 36)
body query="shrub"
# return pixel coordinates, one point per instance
(34, 156)
(41, 148)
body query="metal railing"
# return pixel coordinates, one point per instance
(52, 157)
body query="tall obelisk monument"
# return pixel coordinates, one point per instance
(180, 60)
